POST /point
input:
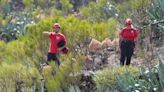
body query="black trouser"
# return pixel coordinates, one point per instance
(126, 52)
(53, 57)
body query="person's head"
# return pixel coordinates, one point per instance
(56, 27)
(128, 22)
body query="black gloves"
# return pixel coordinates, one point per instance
(61, 43)
(65, 50)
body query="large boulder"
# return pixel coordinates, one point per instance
(106, 43)
(115, 42)
(95, 45)
(113, 60)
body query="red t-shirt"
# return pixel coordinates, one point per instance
(55, 38)
(129, 34)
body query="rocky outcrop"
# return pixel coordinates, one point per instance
(95, 45)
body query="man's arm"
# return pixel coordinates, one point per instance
(46, 33)
(62, 46)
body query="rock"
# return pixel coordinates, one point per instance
(87, 83)
(110, 49)
(113, 60)
(97, 60)
(148, 56)
(161, 53)
(89, 58)
(115, 42)
(95, 45)
(88, 64)
(137, 62)
(106, 43)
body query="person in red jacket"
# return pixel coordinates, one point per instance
(128, 40)
(57, 44)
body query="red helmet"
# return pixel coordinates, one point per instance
(56, 25)
(128, 21)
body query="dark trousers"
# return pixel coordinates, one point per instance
(126, 52)
(53, 57)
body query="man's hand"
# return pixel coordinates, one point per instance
(65, 50)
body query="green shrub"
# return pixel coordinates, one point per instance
(11, 73)
(64, 75)
(127, 8)
(106, 79)
(16, 25)
(2, 49)
(30, 50)
(150, 80)
(76, 30)
(103, 11)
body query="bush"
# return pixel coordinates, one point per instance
(98, 12)
(31, 49)
(106, 79)
(11, 73)
(15, 26)
(65, 75)
(150, 80)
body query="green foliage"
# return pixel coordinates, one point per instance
(161, 74)
(30, 50)
(127, 83)
(23, 56)
(28, 3)
(150, 80)
(73, 89)
(103, 10)
(137, 4)
(155, 11)
(9, 74)
(127, 7)
(64, 75)
(101, 31)
(55, 12)
(16, 26)
(75, 30)
(3, 2)
(2, 49)
(5, 7)
(66, 6)
(112, 25)
(156, 15)
(106, 79)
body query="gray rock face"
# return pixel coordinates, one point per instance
(107, 57)
(97, 60)
(161, 53)
(87, 84)
(113, 60)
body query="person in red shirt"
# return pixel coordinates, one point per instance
(128, 40)
(57, 44)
